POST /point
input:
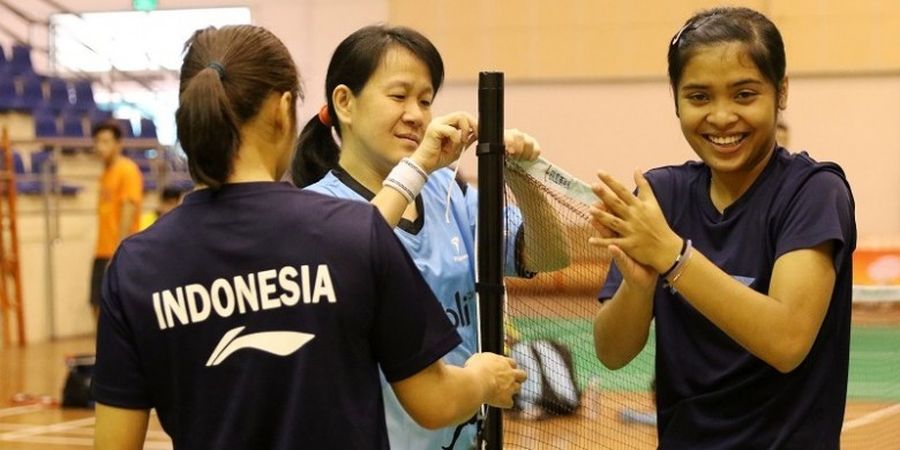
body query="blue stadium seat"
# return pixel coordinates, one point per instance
(4, 64)
(20, 62)
(18, 163)
(38, 159)
(24, 186)
(97, 116)
(59, 94)
(73, 125)
(45, 124)
(32, 97)
(31, 183)
(148, 129)
(8, 97)
(70, 190)
(127, 130)
(84, 95)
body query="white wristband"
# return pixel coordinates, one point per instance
(407, 178)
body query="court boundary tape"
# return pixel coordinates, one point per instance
(82, 428)
(18, 410)
(152, 435)
(44, 429)
(871, 417)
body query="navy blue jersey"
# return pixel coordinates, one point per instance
(711, 392)
(443, 248)
(258, 317)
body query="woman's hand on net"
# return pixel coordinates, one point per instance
(521, 146)
(445, 139)
(501, 375)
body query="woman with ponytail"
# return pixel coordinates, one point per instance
(380, 85)
(256, 315)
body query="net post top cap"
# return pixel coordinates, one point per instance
(490, 80)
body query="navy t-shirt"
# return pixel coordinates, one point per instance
(711, 392)
(257, 317)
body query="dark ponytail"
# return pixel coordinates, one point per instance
(226, 76)
(212, 135)
(354, 61)
(320, 153)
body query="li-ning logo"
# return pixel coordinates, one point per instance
(459, 255)
(281, 343)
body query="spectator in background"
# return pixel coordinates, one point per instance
(169, 198)
(119, 205)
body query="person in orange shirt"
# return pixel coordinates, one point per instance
(119, 206)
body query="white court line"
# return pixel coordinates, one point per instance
(86, 442)
(151, 434)
(871, 417)
(16, 410)
(79, 441)
(44, 429)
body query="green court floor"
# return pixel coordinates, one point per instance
(874, 358)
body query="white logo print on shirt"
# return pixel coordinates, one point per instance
(460, 257)
(281, 343)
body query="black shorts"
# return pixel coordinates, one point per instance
(97, 279)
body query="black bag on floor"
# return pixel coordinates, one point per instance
(77, 391)
(551, 384)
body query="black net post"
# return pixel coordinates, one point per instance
(491, 154)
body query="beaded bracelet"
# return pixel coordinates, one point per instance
(682, 265)
(684, 245)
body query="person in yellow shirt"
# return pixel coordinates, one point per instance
(119, 206)
(169, 198)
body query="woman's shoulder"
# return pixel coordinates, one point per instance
(802, 160)
(676, 174)
(329, 184)
(443, 179)
(801, 169)
(441, 176)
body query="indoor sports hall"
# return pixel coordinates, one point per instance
(587, 79)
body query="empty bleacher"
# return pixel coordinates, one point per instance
(59, 114)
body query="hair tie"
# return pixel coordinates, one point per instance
(217, 66)
(324, 117)
(693, 24)
(678, 35)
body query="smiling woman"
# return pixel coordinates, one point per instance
(728, 110)
(743, 259)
